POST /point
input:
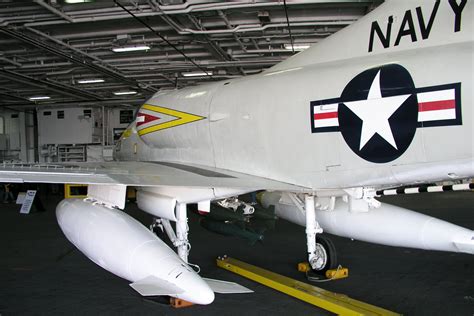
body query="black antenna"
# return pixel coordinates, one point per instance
(289, 28)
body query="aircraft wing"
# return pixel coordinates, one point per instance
(134, 173)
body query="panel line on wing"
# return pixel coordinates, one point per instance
(193, 169)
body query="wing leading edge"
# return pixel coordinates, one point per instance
(134, 173)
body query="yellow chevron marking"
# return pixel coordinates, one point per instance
(127, 133)
(181, 119)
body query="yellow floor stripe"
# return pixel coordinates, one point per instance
(333, 302)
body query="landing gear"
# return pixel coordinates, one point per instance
(321, 251)
(178, 238)
(182, 230)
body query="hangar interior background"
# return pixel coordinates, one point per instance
(72, 73)
(72, 76)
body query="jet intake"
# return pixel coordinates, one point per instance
(387, 225)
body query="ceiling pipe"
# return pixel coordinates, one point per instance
(13, 96)
(182, 66)
(62, 72)
(190, 7)
(48, 85)
(258, 27)
(41, 66)
(14, 9)
(22, 19)
(125, 102)
(103, 45)
(57, 41)
(54, 10)
(241, 28)
(162, 67)
(229, 26)
(79, 61)
(163, 28)
(112, 33)
(158, 57)
(187, 9)
(10, 61)
(89, 103)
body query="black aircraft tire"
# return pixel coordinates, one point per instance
(331, 254)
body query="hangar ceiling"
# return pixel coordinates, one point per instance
(48, 48)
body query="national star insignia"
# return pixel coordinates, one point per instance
(375, 113)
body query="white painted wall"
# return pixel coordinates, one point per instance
(74, 128)
(17, 137)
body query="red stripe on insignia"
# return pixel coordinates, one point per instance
(322, 116)
(436, 105)
(145, 118)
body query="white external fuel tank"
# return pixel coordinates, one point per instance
(120, 244)
(387, 225)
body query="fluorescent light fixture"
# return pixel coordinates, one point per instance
(90, 80)
(77, 1)
(125, 92)
(197, 74)
(39, 98)
(298, 47)
(130, 48)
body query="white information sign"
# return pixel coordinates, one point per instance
(20, 198)
(29, 198)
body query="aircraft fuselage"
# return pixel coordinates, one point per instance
(337, 115)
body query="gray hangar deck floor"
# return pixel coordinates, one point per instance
(41, 273)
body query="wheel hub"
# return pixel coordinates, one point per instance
(320, 258)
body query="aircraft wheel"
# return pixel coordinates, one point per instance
(326, 253)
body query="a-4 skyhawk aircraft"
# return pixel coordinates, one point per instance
(384, 103)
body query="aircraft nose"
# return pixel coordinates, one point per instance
(197, 291)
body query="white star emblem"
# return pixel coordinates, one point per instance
(375, 113)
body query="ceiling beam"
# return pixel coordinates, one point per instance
(84, 62)
(48, 85)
